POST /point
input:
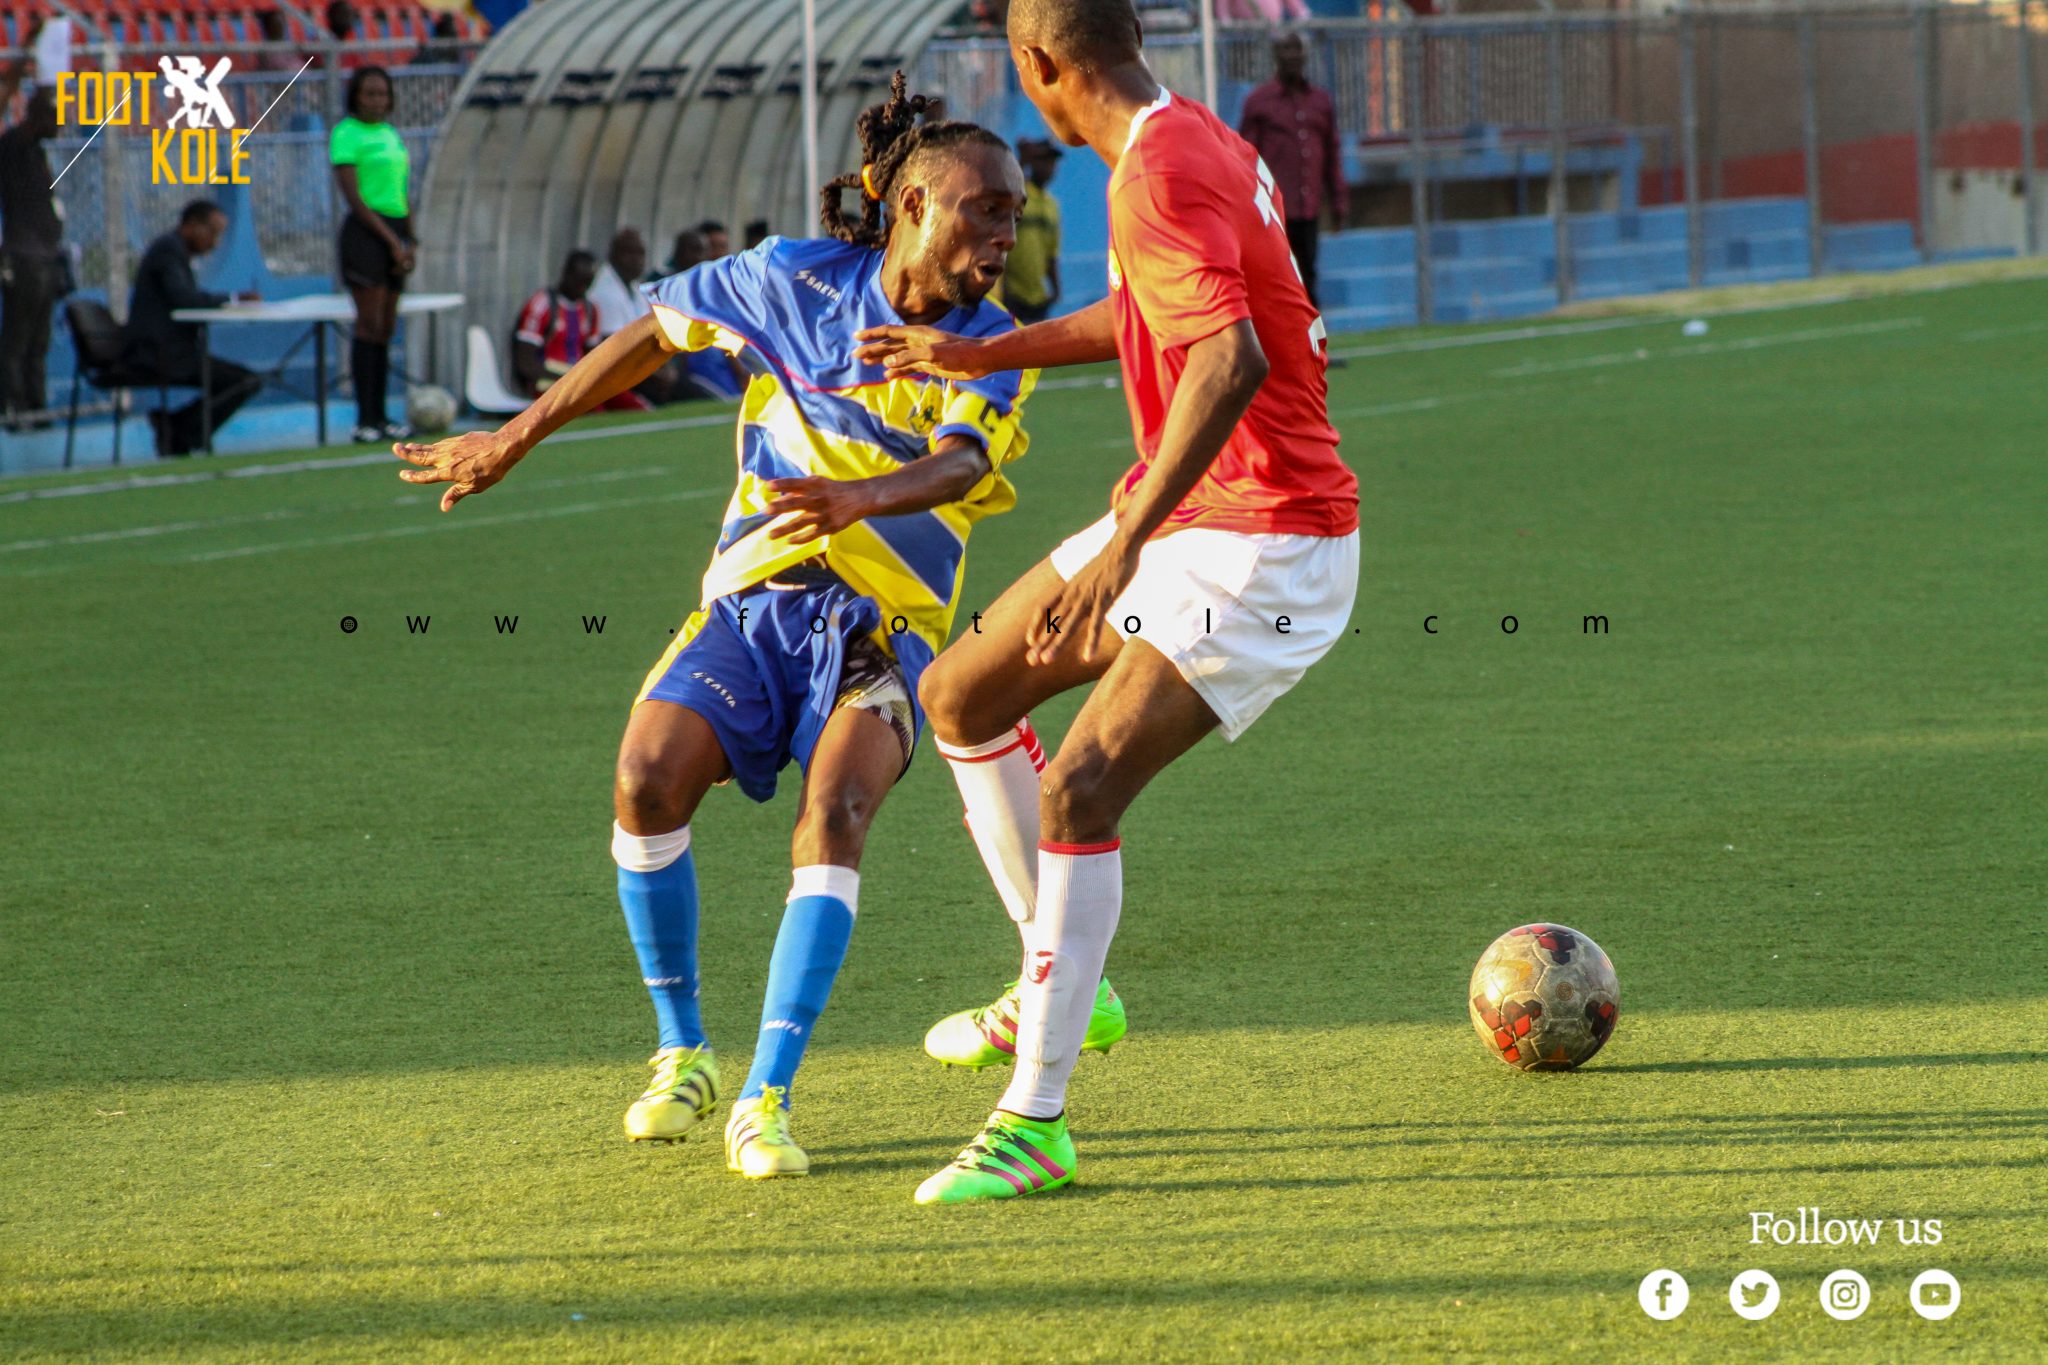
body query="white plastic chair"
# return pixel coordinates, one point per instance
(484, 383)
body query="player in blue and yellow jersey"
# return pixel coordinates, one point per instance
(835, 578)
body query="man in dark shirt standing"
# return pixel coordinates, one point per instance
(33, 270)
(162, 348)
(1294, 127)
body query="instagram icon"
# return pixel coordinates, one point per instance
(1844, 1295)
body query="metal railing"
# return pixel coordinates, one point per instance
(1920, 119)
(1906, 132)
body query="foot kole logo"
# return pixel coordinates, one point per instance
(1041, 967)
(194, 142)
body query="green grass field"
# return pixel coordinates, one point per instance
(319, 1016)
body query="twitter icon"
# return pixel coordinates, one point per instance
(1754, 1295)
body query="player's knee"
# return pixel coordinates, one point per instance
(1077, 800)
(942, 693)
(646, 792)
(834, 827)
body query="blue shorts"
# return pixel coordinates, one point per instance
(767, 666)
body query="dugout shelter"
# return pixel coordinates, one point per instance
(581, 118)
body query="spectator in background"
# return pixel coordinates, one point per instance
(709, 373)
(270, 28)
(1293, 126)
(445, 50)
(558, 327)
(615, 293)
(1261, 11)
(34, 271)
(1031, 280)
(346, 31)
(14, 74)
(687, 251)
(161, 349)
(372, 170)
(755, 233)
(716, 240)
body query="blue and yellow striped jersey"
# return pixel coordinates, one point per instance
(791, 308)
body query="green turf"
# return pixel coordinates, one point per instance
(319, 1016)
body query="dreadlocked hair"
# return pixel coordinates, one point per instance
(891, 134)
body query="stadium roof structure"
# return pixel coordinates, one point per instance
(579, 119)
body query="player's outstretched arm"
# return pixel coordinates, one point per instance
(475, 460)
(1079, 338)
(823, 506)
(1223, 375)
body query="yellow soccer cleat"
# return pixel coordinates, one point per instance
(757, 1140)
(683, 1092)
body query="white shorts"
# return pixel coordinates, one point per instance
(1215, 602)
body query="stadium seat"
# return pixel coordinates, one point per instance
(484, 383)
(96, 338)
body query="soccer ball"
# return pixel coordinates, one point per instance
(1544, 998)
(429, 407)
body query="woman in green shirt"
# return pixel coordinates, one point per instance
(371, 168)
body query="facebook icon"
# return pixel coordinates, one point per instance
(1663, 1294)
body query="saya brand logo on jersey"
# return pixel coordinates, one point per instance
(193, 139)
(805, 277)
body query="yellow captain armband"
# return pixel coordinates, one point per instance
(1002, 433)
(692, 334)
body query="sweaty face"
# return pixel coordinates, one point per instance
(973, 195)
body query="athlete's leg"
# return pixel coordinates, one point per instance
(668, 759)
(980, 687)
(858, 758)
(977, 695)
(1141, 717)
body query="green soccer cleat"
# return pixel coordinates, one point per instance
(1012, 1156)
(684, 1090)
(757, 1140)
(988, 1036)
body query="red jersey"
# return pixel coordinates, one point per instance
(1198, 242)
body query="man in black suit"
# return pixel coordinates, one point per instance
(34, 271)
(157, 346)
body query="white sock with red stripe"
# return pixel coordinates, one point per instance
(999, 786)
(1080, 896)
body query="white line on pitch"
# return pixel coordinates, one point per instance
(450, 522)
(1708, 347)
(253, 471)
(1559, 329)
(288, 514)
(1991, 333)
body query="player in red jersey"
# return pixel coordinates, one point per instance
(1227, 564)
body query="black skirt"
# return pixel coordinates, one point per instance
(366, 262)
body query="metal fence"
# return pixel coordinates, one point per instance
(1886, 134)
(1772, 141)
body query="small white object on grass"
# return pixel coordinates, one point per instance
(1696, 328)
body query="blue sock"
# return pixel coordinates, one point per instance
(809, 947)
(661, 919)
